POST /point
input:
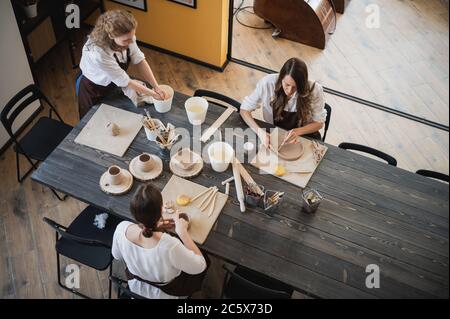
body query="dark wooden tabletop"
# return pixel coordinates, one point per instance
(372, 213)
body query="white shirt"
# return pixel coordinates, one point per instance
(100, 66)
(161, 263)
(265, 93)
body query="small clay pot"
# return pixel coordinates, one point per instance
(115, 175)
(113, 129)
(145, 163)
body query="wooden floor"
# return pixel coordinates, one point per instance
(402, 64)
(27, 259)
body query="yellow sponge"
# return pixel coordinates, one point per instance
(183, 200)
(280, 171)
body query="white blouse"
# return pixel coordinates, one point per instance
(265, 93)
(100, 66)
(161, 263)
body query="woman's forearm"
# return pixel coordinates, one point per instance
(189, 243)
(141, 89)
(248, 118)
(147, 73)
(309, 129)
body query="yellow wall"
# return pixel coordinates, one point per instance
(201, 33)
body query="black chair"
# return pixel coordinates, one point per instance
(243, 283)
(327, 121)
(365, 149)
(85, 243)
(219, 97)
(435, 175)
(123, 292)
(42, 138)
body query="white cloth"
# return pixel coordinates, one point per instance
(137, 98)
(100, 66)
(264, 93)
(162, 263)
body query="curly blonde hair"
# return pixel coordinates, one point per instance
(109, 25)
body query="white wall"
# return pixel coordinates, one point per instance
(15, 71)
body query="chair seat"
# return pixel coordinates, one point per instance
(247, 284)
(43, 138)
(97, 257)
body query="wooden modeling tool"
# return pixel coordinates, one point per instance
(218, 123)
(238, 184)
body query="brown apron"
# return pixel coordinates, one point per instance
(290, 121)
(91, 94)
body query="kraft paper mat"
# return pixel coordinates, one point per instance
(96, 134)
(299, 172)
(200, 223)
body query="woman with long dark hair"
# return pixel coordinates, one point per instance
(152, 255)
(290, 101)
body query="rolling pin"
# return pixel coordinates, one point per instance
(238, 184)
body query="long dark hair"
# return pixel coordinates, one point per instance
(146, 208)
(298, 70)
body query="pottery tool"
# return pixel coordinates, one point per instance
(201, 194)
(274, 199)
(249, 180)
(184, 200)
(228, 180)
(211, 210)
(238, 184)
(218, 123)
(210, 199)
(227, 189)
(206, 197)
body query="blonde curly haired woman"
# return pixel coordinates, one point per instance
(110, 49)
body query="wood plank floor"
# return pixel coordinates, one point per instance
(402, 64)
(27, 258)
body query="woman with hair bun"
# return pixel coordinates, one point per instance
(152, 255)
(110, 49)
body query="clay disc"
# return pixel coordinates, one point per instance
(121, 189)
(289, 152)
(195, 170)
(147, 176)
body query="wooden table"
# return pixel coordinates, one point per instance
(372, 214)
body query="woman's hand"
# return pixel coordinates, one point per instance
(291, 137)
(161, 93)
(181, 225)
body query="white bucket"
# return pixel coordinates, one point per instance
(196, 109)
(220, 156)
(166, 105)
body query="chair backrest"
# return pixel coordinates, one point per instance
(122, 289)
(19, 103)
(327, 120)
(236, 286)
(77, 83)
(366, 149)
(435, 175)
(218, 97)
(62, 231)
